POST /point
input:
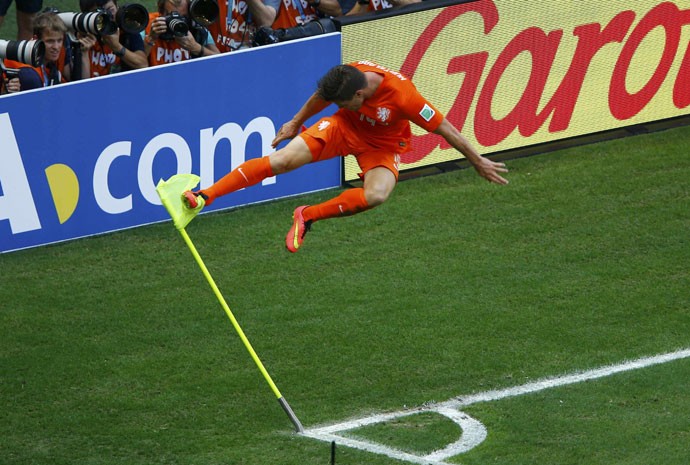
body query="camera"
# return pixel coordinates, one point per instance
(95, 22)
(30, 52)
(204, 12)
(11, 73)
(265, 35)
(132, 18)
(177, 26)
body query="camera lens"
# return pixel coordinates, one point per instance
(178, 27)
(132, 18)
(30, 52)
(95, 22)
(205, 12)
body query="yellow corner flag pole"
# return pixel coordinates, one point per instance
(170, 192)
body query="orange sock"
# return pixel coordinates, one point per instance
(247, 174)
(347, 203)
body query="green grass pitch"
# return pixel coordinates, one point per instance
(114, 350)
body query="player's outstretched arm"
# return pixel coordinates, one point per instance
(488, 169)
(290, 129)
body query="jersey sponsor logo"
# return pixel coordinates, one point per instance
(427, 113)
(323, 125)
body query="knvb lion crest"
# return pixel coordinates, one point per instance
(383, 114)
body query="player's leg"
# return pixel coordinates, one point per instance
(295, 154)
(380, 177)
(378, 184)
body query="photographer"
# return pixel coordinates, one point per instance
(173, 36)
(57, 63)
(12, 78)
(298, 12)
(116, 52)
(366, 6)
(238, 20)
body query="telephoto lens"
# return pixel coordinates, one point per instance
(132, 18)
(204, 12)
(95, 22)
(30, 52)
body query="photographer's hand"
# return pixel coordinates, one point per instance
(113, 40)
(12, 85)
(158, 27)
(87, 41)
(188, 43)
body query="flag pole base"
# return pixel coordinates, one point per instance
(293, 418)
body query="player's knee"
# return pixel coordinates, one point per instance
(278, 163)
(376, 196)
(290, 157)
(282, 162)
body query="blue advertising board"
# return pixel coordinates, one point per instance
(84, 158)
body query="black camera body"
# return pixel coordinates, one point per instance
(177, 26)
(11, 73)
(265, 35)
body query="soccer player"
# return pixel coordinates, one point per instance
(373, 124)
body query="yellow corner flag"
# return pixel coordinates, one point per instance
(170, 192)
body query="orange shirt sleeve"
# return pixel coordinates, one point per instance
(418, 109)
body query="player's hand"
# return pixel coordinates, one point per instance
(490, 170)
(287, 131)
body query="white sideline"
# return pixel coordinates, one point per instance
(473, 432)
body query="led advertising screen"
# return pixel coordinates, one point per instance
(510, 74)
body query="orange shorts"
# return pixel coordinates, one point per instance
(334, 137)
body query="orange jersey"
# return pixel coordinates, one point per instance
(235, 31)
(102, 59)
(378, 5)
(384, 118)
(290, 16)
(165, 51)
(46, 77)
(231, 32)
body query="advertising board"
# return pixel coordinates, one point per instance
(84, 158)
(512, 74)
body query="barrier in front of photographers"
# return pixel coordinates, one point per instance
(83, 159)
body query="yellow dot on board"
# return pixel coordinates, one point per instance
(64, 187)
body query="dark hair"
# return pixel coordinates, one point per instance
(89, 5)
(340, 83)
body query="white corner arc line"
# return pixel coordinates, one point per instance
(473, 434)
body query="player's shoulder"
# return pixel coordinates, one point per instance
(365, 65)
